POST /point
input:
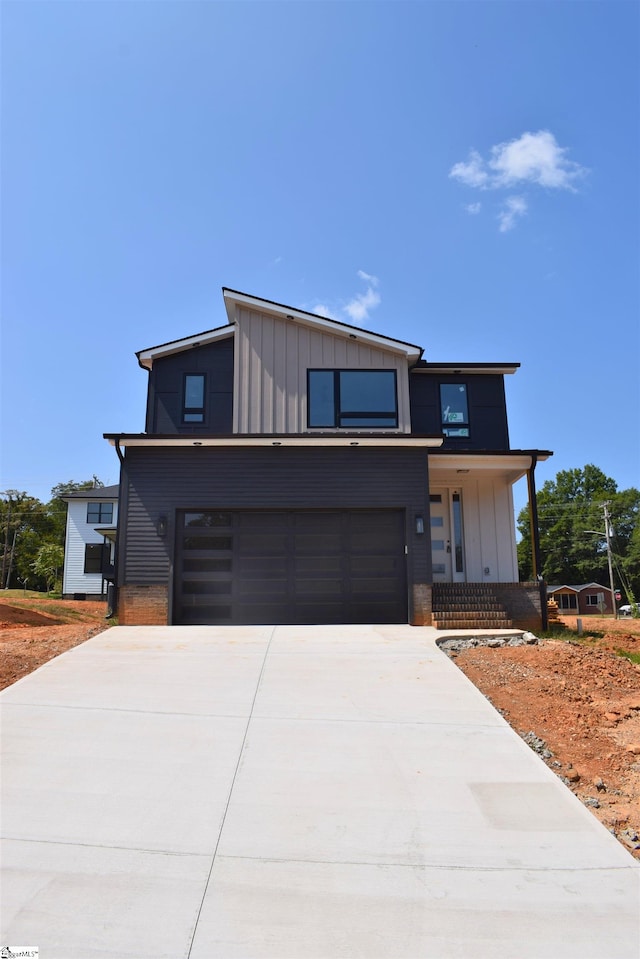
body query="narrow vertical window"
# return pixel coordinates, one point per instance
(193, 399)
(454, 409)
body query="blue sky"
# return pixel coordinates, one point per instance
(459, 175)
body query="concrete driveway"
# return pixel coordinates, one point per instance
(291, 793)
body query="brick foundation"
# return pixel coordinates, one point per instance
(522, 602)
(421, 605)
(143, 605)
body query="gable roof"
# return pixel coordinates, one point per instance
(578, 589)
(234, 300)
(146, 357)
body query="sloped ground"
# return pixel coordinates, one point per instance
(33, 631)
(576, 703)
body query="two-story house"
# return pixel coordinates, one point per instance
(295, 469)
(92, 515)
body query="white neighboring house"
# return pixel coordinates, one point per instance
(89, 547)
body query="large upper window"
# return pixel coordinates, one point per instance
(352, 399)
(99, 513)
(454, 409)
(193, 398)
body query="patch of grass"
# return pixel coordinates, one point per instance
(8, 594)
(570, 635)
(632, 657)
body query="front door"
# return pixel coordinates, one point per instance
(447, 537)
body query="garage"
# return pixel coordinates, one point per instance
(290, 567)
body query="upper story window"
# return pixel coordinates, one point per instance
(99, 513)
(454, 409)
(351, 399)
(193, 398)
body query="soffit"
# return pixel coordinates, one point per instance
(300, 440)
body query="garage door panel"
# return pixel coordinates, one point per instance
(318, 565)
(262, 544)
(206, 564)
(314, 544)
(306, 566)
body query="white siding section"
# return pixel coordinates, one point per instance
(79, 533)
(489, 526)
(272, 356)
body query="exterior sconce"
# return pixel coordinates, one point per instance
(162, 526)
(420, 525)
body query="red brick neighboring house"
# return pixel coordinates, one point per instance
(590, 599)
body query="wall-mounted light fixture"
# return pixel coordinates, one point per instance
(419, 525)
(162, 526)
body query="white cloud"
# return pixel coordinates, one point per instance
(358, 308)
(373, 280)
(514, 207)
(536, 158)
(471, 173)
(531, 158)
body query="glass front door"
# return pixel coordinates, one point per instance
(447, 536)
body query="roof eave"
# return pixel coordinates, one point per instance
(235, 298)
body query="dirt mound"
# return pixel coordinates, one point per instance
(21, 616)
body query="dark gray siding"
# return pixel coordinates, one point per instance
(161, 480)
(164, 400)
(487, 409)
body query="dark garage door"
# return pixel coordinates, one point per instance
(290, 566)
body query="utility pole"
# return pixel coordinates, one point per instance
(5, 552)
(607, 530)
(607, 536)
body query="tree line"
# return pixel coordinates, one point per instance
(573, 543)
(32, 536)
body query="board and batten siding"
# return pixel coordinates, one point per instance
(272, 356)
(161, 481)
(79, 533)
(488, 524)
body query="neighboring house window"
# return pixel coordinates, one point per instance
(99, 513)
(352, 398)
(454, 409)
(96, 556)
(594, 599)
(566, 600)
(193, 398)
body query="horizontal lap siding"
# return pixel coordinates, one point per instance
(160, 481)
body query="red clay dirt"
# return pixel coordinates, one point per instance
(576, 703)
(34, 631)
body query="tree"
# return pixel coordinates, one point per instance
(57, 508)
(48, 563)
(570, 506)
(24, 524)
